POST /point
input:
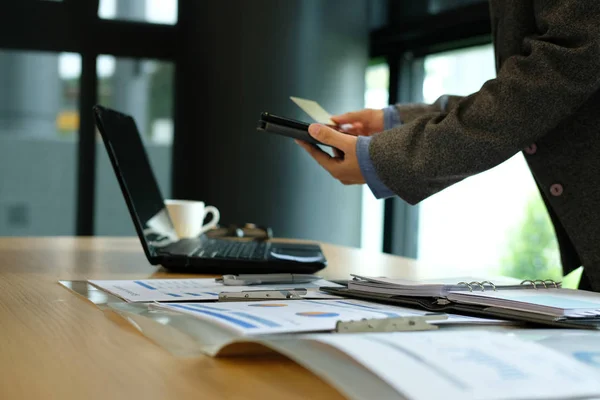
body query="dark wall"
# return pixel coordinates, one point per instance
(245, 57)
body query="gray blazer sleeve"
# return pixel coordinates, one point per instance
(410, 112)
(556, 71)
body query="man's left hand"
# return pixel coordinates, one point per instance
(344, 166)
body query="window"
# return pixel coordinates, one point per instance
(494, 222)
(38, 142)
(376, 96)
(144, 90)
(153, 11)
(46, 101)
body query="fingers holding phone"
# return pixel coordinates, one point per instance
(364, 122)
(357, 123)
(360, 123)
(344, 168)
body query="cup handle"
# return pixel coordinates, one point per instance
(214, 220)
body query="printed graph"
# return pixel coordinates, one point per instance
(318, 314)
(268, 305)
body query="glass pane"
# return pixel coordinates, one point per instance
(494, 222)
(439, 6)
(152, 11)
(376, 96)
(38, 142)
(144, 90)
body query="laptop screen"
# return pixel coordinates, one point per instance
(135, 176)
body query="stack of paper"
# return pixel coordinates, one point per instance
(581, 345)
(295, 316)
(466, 365)
(149, 290)
(430, 288)
(449, 364)
(558, 303)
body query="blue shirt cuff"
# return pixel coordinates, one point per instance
(391, 117)
(367, 169)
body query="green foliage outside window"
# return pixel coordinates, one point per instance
(532, 250)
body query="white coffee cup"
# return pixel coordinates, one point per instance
(188, 217)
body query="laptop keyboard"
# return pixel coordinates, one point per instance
(215, 248)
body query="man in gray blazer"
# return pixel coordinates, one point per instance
(545, 101)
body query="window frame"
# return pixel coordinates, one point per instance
(74, 26)
(404, 46)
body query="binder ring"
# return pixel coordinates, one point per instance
(552, 282)
(467, 284)
(479, 284)
(531, 282)
(489, 283)
(542, 282)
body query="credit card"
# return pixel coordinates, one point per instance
(314, 110)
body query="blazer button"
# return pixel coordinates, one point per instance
(531, 149)
(556, 189)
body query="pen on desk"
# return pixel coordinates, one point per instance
(265, 279)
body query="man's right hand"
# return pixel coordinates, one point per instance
(361, 123)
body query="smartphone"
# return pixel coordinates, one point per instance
(288, 122)
(285, 127)
(288, 127)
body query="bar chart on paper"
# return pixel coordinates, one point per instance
(291, 316)
(160, 289)
(149, 290)
(294, 316)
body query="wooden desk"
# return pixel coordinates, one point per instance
(54, 345)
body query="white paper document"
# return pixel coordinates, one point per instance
(291, 316)
(581, 345)
(149, 290)
(467, 365)
(314, 110)
(554, 302)
(430, 287)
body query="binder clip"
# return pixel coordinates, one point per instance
(397, 324)
(249, 295)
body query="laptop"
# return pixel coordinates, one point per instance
(155, 228)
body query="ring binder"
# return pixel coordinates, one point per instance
(445, 287)
(544, 282)
(556, 284)
(480, 284)
(531, 282)
(491, 284)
